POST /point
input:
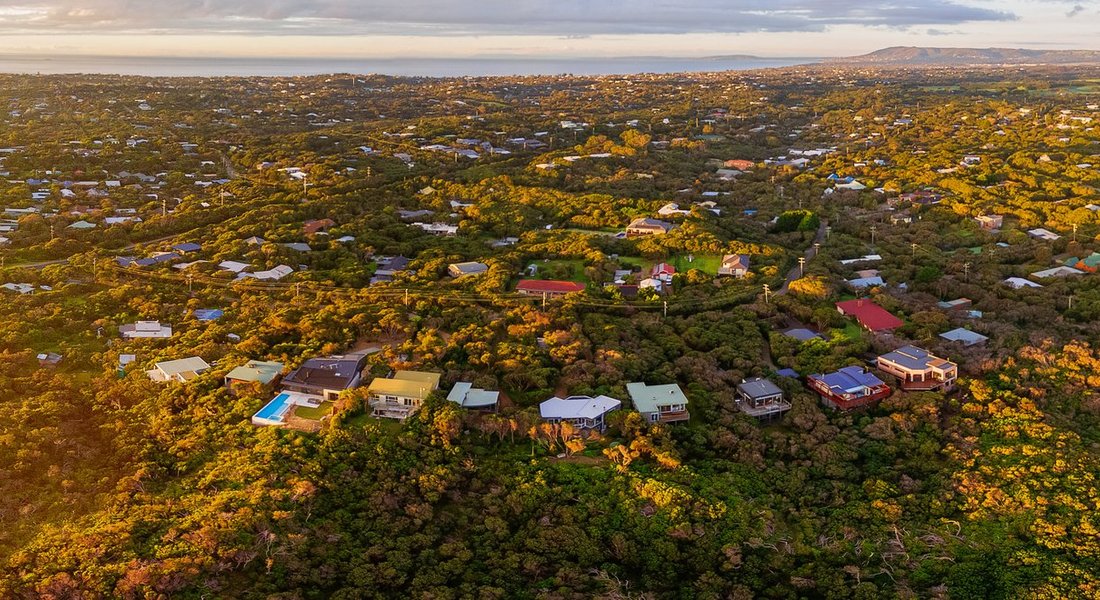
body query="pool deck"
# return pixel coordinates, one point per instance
(287, 400)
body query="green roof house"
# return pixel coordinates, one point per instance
(254, 371)
(659, 403)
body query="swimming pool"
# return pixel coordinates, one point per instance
(273, 412)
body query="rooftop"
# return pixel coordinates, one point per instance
(407, 384)
(256, 370)
(549, 286)
(577, 407)
(647, 398)
(870, 315)
(915, 359)
(965, 336)
(849, 380)
(335, 372)
(759, 388)
(464, 394)
(182, 366)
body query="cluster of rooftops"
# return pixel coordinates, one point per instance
(401, 394)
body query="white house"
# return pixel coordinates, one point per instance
(274, 274)
(22, 288)
(1043, 234)
(182, 370)
(1020, 282)
(145, 329)
(583, 412)
(467, 396)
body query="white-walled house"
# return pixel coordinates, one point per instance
(583, 412)
(145, 329)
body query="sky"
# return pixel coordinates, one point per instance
(544, 28)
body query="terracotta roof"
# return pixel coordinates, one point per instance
(870, 315)
(549, 286)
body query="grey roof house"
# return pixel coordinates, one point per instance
(761, 399)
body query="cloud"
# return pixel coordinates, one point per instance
(1076, 10)
(480, 17)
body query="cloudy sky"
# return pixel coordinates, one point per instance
(551, 28)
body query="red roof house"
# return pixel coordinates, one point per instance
(317, 225)
(870, 315)
(739, 164)
(540, 287)
(663, 271)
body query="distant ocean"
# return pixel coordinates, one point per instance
(414, 67)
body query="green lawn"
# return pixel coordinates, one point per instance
(563, 269)
(852, 331)
(707, 263)
(605, 231)
(314, 414)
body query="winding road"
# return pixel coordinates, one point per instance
(811, 252)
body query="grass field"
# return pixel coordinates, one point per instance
(851, 331)
(707, 263)
(315, 414)
(604, 231)
(563, 269)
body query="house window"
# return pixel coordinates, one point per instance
(654, 417)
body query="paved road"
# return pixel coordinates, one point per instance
(811, 252)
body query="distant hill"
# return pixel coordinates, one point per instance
(909, 55)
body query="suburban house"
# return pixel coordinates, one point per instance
(901, 218)
(919, 370)
(659, 403)
(253, 372)
(734, 265)
(956, 304)
(868, 278)
(187, 247)
(672, 209)
(964, 336)
(273, 274)
(549, 288)
(1060, 271)
(182, 370)
(761, 399)
(438, 228)
(388, 266)
(739, 164)
(317, 225)
(1043, 234)
(662, 271)
(466, 395)
(49, 359)
(990, 222)
(1090, 263)
(922, 197)
(208, 314)
(457, 270)
(870, 316)
(583, 412)
(325, 377)
(848, 388)
(145, 329)
(645, 226)
(402, 395)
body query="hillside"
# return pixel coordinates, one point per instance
(911, 55)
